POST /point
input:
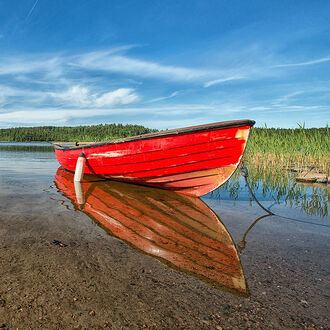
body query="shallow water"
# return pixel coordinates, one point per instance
(276, 259)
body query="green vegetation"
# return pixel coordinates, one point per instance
(71, 134)
(290, 147)
(312, 141)
(269, 156)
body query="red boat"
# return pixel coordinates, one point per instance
(180, 231)
(192, 160)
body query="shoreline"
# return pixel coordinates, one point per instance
(60, 270)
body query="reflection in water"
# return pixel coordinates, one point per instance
(26, 147)
(242, 244)
(279, 186)
(181, 231)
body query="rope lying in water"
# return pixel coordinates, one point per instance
(241, 244)
(245, 174)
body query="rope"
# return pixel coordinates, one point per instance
(245, 174)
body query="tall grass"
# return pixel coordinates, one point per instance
(290, 147)
(268, 155)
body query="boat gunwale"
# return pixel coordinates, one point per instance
(173, 132)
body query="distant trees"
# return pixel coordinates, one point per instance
(102, 132)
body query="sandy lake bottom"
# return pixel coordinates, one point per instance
(60, 269)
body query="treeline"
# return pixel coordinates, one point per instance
(102, 132)
(313, 141)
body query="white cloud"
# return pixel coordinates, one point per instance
(5, 92)
(119, 96)
(287, 98)
(11, 96)
(51, 116)
(259, 108)
(118, 63)
(320, 60)
(57, 67)
(35, 117)
(299, 108)
(56, 116)
(160, 117)
(157, 99)
(109, 61)
(83, 97)
(75, 95)
(51, 65)
(222, 80)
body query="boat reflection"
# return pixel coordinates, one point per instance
(180, 231)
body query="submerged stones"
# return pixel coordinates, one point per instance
(309, 174)
(313, 177)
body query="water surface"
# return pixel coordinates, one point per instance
(271, 259)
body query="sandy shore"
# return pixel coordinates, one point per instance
(61, 271)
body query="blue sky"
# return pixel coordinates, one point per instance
(164, 64)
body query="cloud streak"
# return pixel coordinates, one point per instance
(104, 61)
(157, 99)
(54, 66)
(318, 61)
(222, 80)
(31, 10)
(51, 65)
(58, 116)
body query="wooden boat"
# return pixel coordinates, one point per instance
(192, 161)
(180, 231)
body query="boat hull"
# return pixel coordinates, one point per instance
(192, 161)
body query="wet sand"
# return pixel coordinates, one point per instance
(59, 270)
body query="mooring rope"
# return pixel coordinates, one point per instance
(245, 174)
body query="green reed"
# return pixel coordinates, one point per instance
(298, 147)
(270, 154)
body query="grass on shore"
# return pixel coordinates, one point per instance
(289, 147)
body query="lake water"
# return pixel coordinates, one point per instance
(236, 262)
